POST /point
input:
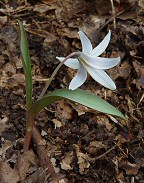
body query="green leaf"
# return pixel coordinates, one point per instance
(80, 96)
(26, 65)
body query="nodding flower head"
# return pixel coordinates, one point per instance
(89, 62)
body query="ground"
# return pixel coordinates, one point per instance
(81, 145)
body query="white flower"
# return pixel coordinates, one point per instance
(89, 61)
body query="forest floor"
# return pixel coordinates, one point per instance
(83, 146)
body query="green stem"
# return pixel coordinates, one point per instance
(55, 72)
(30, 120)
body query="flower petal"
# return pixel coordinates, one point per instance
(99, 62)
(86, 44)
(71, 62)
(101, 77)
(79, 79)
(102, 46)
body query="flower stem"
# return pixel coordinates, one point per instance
(30, 120)
(55, 72)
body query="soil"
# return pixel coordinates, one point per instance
(81, 146)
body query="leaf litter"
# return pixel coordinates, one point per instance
(84, 146)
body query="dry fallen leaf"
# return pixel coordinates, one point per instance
(57, 123)
(5, 146)
(65, 163)
(61, 181)
(53, 161)
(9, 77)
(131, 104)
(94, 146)
(4, 124)
(38, 176)
(139, 68)
(3, 20)
(41, 8)
(64, 111)
(7, 174)
(26, 161)
(131, 168)
(124, 71)
(68, 33)
(82, 160)
(103, 120)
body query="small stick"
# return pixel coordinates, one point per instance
(94, 159)
(113, 12)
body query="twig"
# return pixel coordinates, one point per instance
(111, 19)
(94, 159)
(113, 12)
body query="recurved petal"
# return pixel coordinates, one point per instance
(79, 79)
(86, 44)
(102, 46)
(71, 62)
(99, 62)
(101, 77)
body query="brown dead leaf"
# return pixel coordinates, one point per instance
(120, 177)
(103, 7)
(120, 140)
(2, 60)
(9, 42)
(128, 15)
(9, 77)
(41, 8)
(38, 176)
(79, 108)
(3, 124)
(96, 22)
(53, 161)
(131, 104)
(103, 120)
(65, 163)
(57, 123)
(5, 146)
(64, 111)
(26, 161)
(17, 79)
(82, 160)
(61, 181)
(94, 146)
(7, 174)
(68, 33)
(49, 38)
(43, 133)
(9, 69)
(139, 68)
(130, 168)
(141, 7)
(52, 148)
(3, 20)
(124, 71)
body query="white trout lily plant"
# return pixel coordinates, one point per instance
(89, 62)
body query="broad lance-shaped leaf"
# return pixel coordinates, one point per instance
(26, 65)
(80, 96)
